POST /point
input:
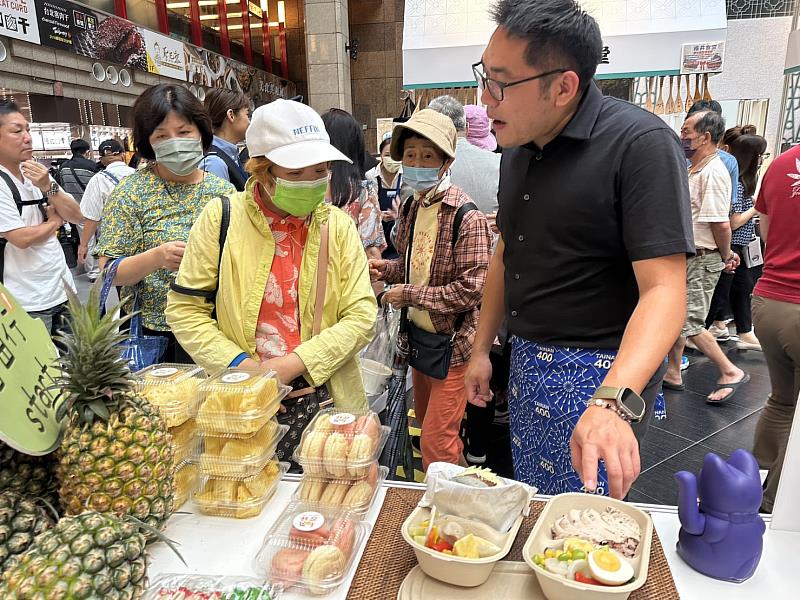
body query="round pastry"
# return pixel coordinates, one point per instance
(309, 527)
(312, 489)
(360, 452)
(359, 495)
(370, 425)
(323, 423)
(311, 452)
(324, 564)
(336, 454)
(334, 493)
(343, 535)
(372, 474)
(287, 566)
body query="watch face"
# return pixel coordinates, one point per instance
(632, 403)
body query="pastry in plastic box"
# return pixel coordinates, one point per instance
(184, 440)
(341, 444)
(310, 548)
(174, 586)
(354, 494)
(239, 498)
(238, 401)
(231, 455)
(185, 481)
(172, 388)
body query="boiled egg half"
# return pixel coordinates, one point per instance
(609, 567)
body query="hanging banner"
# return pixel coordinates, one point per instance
(702, 58)
(27, 379)
(165, 56)
(55, 22)
(18, 20)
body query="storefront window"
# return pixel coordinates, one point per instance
(104, 5)
(142, 12)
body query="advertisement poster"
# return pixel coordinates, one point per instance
(165, 56)
(702, 58)
(204, 67)
(18, 20)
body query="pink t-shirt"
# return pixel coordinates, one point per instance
(779, 199)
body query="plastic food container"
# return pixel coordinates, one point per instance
(311, 548)
(341, 444)
(184, 441)
(456, 570)
(375, 375)
(238, 401)
(185, 481)
(555, 587)
(239, 498)
(231, 455)
(175, 586)
(356, 495)
(172, 388)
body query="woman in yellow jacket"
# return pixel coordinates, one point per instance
(266, 280)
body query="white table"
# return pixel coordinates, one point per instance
(212, 545)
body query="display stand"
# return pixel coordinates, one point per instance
(785, 516)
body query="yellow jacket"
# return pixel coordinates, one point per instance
(349, 311)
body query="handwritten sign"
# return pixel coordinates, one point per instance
(27, 373)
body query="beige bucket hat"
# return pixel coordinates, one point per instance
(429, 124)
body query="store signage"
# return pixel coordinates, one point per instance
(165, 56)
(18, 20)
(706, 57)
(27, 380)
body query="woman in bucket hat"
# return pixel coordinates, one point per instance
(440, 281)
(266, 279)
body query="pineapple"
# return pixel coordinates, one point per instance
(31, 476)
(20, 521)
(116, 454)
(91, 555)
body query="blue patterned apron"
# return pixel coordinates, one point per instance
(547, 394)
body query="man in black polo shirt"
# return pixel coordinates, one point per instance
(590, 272)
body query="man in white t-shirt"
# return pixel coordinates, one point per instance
(99, 188)
(710, 189)
(32, 208)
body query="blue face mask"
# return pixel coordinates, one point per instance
(421, 179)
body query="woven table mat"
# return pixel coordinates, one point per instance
(388, 558)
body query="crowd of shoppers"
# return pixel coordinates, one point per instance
(566, 277)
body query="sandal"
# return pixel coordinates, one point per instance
(676, 387)
(732, 386)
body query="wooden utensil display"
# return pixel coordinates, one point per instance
(670, 108)
(678, 99)
(697, 97)
(689, 100)
(706, 93)
(660, 100)
(648, 101)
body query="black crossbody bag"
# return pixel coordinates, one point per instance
(431, 353)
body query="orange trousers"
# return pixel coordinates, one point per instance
(439, 406)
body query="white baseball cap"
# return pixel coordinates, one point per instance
(290, 134)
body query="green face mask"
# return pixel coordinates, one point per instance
(179, 155)
(299, 198)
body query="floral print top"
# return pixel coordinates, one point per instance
(145, 211)
(366, 213)
(278, 325)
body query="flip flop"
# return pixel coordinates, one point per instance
(676, 387)
(732, 386)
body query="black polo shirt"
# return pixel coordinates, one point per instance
(612, 188)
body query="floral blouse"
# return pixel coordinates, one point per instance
(366, 213)
(278, 325)
(145, 211)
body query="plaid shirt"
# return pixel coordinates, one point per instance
(457, 274)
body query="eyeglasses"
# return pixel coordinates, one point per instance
(497, 88)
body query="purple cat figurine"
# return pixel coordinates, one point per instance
(722, 536)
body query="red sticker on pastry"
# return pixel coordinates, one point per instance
(343, 419)
(308, 521)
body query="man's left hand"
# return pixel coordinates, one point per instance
(37, 173)
(600, 433)
(394, 297)
(732, 263)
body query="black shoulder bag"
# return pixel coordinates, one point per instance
(41, 202)
(211, 295)
(235, 175)
(430, 353)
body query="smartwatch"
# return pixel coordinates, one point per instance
(629, 405)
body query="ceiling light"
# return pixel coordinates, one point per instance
(281, 11)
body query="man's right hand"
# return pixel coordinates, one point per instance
(377, 269)
(170, 255)
(53, 218)
(479, 372)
